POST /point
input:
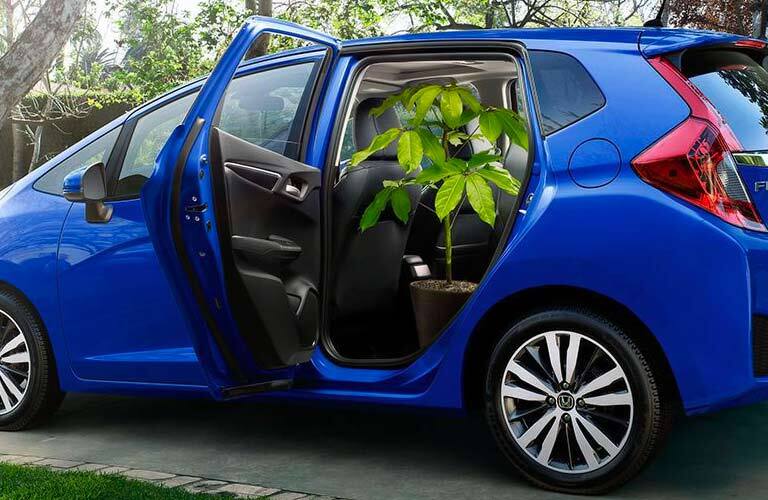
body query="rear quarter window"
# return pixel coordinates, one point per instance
(737, 85)
(567, 93)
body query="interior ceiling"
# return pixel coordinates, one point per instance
(386, 78)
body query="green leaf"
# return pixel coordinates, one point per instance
(373, 212)
(451, 108)
(502, 178)
(405, 96)
(358, 157)
(455, 165)
(431, 145)
(389, 183)
(387, 104)
(378, 143)
(467, 116)
(480, 197)
(469, 100)
(457, 137)
(424, 99)
(483, 158)
(449, 195)
(431, 175)
(514, 127)
(490, 126)
(401, 204)
(410, 151)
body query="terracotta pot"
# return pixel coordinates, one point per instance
(435, 304)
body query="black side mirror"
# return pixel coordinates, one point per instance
(89, 185)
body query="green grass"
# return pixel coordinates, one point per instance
(23, 482)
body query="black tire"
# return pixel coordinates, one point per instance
(652, 417)
(43, 395)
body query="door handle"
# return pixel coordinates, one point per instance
(292, 190)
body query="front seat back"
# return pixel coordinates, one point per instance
(367, 265)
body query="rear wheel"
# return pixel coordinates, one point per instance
(573, 403)
(29, 389)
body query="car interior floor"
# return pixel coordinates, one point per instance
(370, 313)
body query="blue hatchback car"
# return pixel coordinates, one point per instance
(206, 243)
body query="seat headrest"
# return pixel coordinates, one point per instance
(367, 127)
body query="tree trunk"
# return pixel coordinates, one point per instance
(32, 53)
(260, 8)
(19, 141)
(762, 18)
(37, 147)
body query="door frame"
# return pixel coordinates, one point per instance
(382, 52)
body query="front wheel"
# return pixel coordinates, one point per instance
(29, 387)
(573, 403)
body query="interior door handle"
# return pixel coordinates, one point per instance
(292, 190)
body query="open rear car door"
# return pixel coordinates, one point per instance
(236, 226)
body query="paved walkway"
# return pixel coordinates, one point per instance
(363, 454)
(165, 479)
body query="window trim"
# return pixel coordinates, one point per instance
(538, 97)
(120, 126)
(114, 168)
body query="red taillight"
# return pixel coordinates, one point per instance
(694, 161)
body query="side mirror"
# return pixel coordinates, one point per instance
(89, 185)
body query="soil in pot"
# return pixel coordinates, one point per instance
(435, 303)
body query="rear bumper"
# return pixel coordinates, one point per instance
(743, 358)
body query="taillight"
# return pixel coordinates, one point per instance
(694, 161)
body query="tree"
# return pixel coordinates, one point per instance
(258, 8)
(63, 92)
(426, 15)
(735, 16)
(35, 49)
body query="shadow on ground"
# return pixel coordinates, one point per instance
(359, 453)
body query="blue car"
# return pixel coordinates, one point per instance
(206, 243)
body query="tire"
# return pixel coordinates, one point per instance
(40, 393)
(630, 411)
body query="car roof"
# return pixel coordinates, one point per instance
(650, 41)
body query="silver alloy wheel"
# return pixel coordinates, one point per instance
(567, 402)
(15, 365)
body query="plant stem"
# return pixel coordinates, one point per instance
(448, 249)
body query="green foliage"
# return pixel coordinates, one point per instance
(449, 108)
(24, 482)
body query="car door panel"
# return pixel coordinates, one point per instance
(273, 215)
(136, 333)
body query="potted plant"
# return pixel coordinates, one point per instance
(436, 124)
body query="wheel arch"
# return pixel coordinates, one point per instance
(22, 297)
(504, 313)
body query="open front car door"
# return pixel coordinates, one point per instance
(235, 216)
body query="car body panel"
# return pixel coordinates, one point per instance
(623, 240)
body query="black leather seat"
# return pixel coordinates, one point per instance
(367, 265)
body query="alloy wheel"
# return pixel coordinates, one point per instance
(15, 364)
(567, 402)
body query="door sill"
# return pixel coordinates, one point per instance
(246, 390)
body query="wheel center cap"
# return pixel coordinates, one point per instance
(565, 401)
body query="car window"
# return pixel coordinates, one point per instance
(567, 93)
(150, 134)
(737, 85)
(268, 108)
(97, 151)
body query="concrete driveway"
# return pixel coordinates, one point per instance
(362, 454)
